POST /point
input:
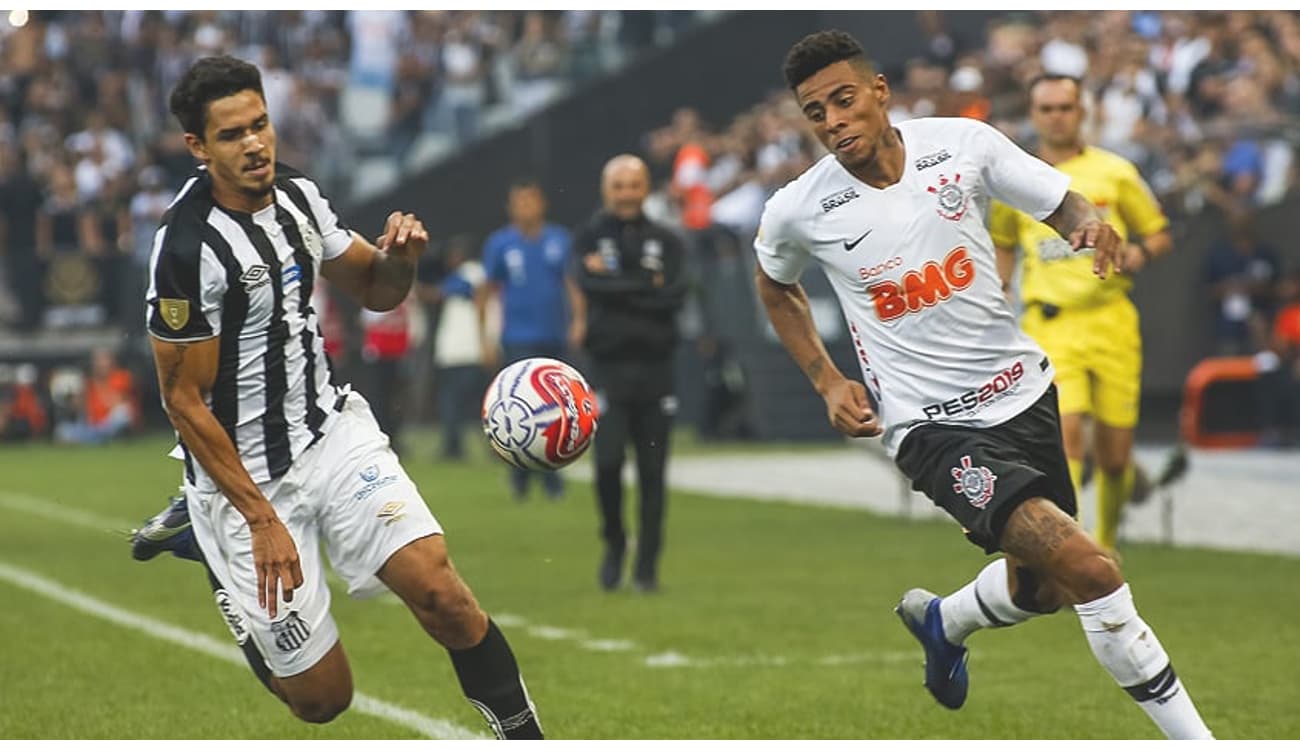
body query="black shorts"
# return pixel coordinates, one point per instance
(979, 475)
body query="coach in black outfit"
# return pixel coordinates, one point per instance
(631, 271)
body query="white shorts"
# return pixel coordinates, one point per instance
(349, 491)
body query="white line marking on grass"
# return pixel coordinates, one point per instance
(665, 660)
(438, 729)
(677, 660)
(52, 511)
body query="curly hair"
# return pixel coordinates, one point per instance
(819, 49)
(209, 79)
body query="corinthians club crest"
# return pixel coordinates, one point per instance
(974, 482)
(952, 198)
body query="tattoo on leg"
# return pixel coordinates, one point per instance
(1035, 531)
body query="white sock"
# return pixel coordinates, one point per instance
(983, 603)
(1128, 649)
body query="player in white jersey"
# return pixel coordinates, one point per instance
(281, 464)
(895, 218)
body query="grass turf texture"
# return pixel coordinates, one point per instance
(783, 611)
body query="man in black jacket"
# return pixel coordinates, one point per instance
(632, 273)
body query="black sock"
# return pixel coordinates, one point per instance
(235, 621)
(491, 681)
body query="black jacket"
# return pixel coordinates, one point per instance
(632, 307)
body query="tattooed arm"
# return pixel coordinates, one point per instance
(380, 277)
(846, 400)
(186, 373)
(1077, 220)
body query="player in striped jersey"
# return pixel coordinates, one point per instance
(279, 458)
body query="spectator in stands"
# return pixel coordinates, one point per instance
(539, 61)
(1241, 273)
(23, 414)
(110, 406)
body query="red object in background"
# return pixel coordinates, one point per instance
(1206, 373)
(690, 169)
(26, 406)
(387, 334)
(103, 395)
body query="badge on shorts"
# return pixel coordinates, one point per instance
(290, 633)
(175, 312)
(974, 482)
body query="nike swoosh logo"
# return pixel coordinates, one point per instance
(848, 246)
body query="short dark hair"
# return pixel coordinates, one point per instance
(1052, 78)
(817, 50)
(526, 183)
(209, 79)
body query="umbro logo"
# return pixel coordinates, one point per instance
(255, 277)
(848, 246)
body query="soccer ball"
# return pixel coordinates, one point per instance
(539, 413)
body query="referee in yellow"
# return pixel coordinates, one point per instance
(1087, 326)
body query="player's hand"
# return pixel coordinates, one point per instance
(1105, 243)
(849, 411)
(405, 235)
(275, 557)
(1132, 260)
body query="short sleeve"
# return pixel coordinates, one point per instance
(781, 256)
(492, 264)
(186, 285)
(1019, 178)
(335, 237)
(1004, 225)
(1140, 209)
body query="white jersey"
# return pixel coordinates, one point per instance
(915, 272)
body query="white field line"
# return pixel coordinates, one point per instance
(204, 644)
(580, 638)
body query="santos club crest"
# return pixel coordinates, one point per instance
(952, 198)
(974, 482)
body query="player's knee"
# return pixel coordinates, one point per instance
(321, 709)
(1088, 573)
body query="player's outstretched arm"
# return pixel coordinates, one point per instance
(1077, 221)
(846, 400)
(186, 373)
(380, 277)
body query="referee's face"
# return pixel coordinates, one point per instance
(238, 147)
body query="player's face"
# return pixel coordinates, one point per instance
(1056, 112)
(238, 147)
(846, 108)
(624, 189)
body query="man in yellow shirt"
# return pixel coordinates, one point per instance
(1087, 326)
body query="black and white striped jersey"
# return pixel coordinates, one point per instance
(248, 278)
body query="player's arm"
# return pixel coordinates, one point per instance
(186, 373)
(380, 277)
(577, 313)
(846, 400)
(1033, 186)
(1078, 222)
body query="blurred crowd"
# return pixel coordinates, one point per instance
(90, 156)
